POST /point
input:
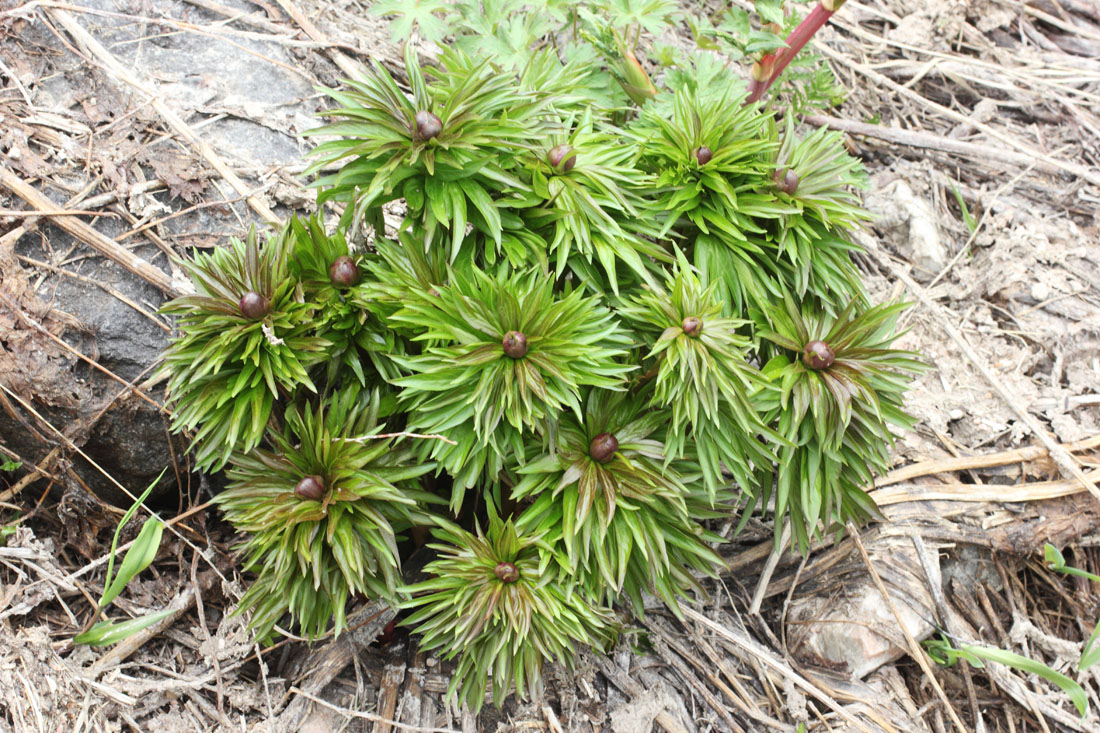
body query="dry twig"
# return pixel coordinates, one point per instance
(120, 73)
(769, 660)
(988, 460)
(914, 649)
(361, 715)
(92, 237)
(930, 141)
(1076, 169)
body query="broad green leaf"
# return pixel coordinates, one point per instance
(1024, 664)
(1057, 562)
(1090, 654)
(413, 14)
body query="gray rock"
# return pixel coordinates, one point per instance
(125, 435)
(909, 224)
(248, 100)
(841, 621)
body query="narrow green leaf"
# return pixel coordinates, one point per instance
(107, 583)
(105, 633)
(140, 555)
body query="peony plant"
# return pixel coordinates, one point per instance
(591, 332)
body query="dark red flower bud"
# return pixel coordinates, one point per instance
(603, 446)
(311, 487)
(427, 125)
(561, 158)
(702, 154)
(506, 572)
(692, 326)
(515, 344)
(254, 306)
(786, 181)
(343, 272)
(817, 355)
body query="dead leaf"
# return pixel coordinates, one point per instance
(181, 173)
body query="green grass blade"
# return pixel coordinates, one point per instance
(140, 555)
(107, 584)
(106, 633)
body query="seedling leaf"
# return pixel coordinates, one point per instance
(106, 633)
(139, 556)
(942, 652)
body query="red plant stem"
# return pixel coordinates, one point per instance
(799, 37)
(756, 90)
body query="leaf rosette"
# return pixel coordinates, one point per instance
(496, 605)
(447, 179)
(230, 363)
(620, 515)
(835, 412)
(465, 386)
(593, 212)
(719, 196)
(314, 549)
(331, 278)
(701, 372)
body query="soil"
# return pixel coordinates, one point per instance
(173, 125)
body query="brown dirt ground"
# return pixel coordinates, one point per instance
(1008, 313)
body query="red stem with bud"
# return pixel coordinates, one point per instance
(768, 69)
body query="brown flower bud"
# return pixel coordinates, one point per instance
(786, 181)
(817, 355)
(310, 487)
(692, 325)
(602, 448)
(427, 125)
(254, 306)
(343, 272)
(702, 154)
(561, 158)
(515, 344)
(506, 572)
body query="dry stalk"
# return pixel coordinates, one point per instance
(769, 660)
(362, 715)
(931, 141)
(883, 81)
(914, 649)
(115, 69)
(92, 237)
(989, 460)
